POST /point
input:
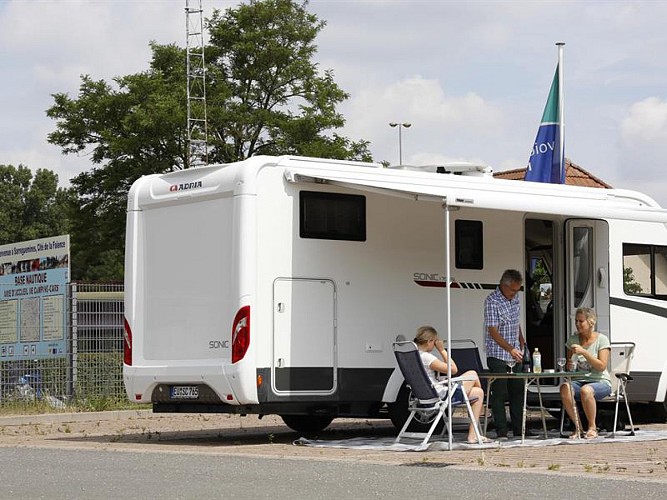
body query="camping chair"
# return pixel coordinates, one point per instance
(466, 355)
(425, 404)
(620, 361)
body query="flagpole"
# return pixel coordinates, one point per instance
(561, 110)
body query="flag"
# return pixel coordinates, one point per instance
(547, 158)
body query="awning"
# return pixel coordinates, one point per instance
(490, 193)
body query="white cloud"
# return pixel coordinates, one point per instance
(436, 118)
(642, 158)
(645, 124)
(471, 77)
(104, 39)
(48, 45)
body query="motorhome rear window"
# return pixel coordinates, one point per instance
(645, 270)
(469, 244)
(332, 216)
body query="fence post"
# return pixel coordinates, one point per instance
(72, 368)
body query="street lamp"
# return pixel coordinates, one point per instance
(400, 140)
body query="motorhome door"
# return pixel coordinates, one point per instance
(587, 259)
(304, 336)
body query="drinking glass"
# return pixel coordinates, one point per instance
(561, 364)
(510, 365)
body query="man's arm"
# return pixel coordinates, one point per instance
(522, 340)
(500, 340)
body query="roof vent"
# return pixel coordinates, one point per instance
(456, 168)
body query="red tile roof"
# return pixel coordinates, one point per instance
(574, 176)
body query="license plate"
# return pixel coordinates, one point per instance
(184, 392)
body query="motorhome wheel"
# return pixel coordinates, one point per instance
(306, 423)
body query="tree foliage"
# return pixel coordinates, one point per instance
(132, 128)
(32, 207)
(630, 284)
(265, 95)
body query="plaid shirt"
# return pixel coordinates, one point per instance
(505, 316)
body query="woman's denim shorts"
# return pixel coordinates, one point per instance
(601, 389)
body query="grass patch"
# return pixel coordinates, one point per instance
(37, 407)
(96, 384)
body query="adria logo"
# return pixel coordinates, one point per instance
(185, 186)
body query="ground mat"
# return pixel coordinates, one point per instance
(459, 443)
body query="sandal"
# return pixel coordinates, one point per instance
(485, 440)
(575, 435)
(591, 434)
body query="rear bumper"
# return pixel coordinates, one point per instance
(149, 384)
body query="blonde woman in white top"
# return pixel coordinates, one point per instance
(427, 340)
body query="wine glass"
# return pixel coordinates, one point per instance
(561, 364)
(510, 365)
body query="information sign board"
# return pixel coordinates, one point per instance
(33, 291)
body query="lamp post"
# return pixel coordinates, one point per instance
(400, 140)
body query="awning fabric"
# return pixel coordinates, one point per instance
(490, 193)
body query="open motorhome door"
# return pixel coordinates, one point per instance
(587, 279)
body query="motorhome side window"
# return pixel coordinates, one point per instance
(332, 216)
(469, 244)
(645, 270)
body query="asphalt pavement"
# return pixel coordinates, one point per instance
(138, 454)
(29, 473)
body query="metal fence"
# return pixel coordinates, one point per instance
(90, 375)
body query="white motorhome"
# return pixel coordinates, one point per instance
(277, 285)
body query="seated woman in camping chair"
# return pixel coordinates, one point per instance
(590, 350)
(427, 340)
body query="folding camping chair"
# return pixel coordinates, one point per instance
(425, 403)
(466, 355)
(620, 362)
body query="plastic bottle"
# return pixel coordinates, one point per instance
(537, 361)
(573, 362)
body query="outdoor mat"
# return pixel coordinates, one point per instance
(458, 443)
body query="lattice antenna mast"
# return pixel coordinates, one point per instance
(197, 146)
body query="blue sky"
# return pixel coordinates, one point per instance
(471, 77)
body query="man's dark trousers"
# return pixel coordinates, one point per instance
(501, 391)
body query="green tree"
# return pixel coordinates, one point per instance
(32, 208)
(133, 128)
(265, 95)
(630, 285)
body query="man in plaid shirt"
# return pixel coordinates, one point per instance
(504, 341)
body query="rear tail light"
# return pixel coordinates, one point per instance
(241, 334)
(127, 344)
